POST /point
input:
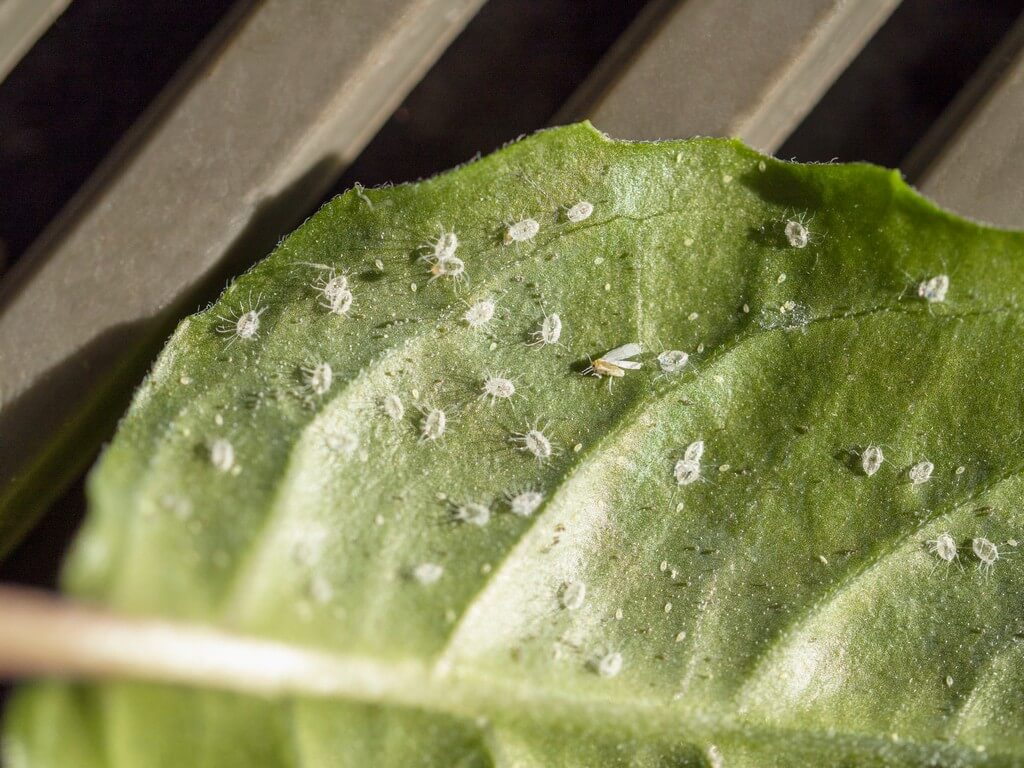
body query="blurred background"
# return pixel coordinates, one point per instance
(100, 68)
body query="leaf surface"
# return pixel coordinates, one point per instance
(770, 602)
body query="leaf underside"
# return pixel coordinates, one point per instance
(785, 608)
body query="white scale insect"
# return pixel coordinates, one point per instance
(687, 469)
(986, 552)
(581, 211)
(921, 472)
(521, 231)
(319, 378)
(797, 234)
(427, 573)
(525, 503)
(535, 442)
(615, 362)
(934, 290)
(435, 424)
(871, 460)
(334, 288)
(672, 360)
(473, 513)
(222, 455)
(442, 259)
(480, 313)
(497, 388)
(943, 547)
(573, 595)
(393, 407)
(550, 331)
(244, 326)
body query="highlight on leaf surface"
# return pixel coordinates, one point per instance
(727, 549)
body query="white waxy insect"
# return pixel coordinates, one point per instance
(498, 388)
(943, 547)
(521, 231)
(319, 378)
(428, 573)
(797, 234)
(871, 460)
(672, 360)
(525, 503)
(581, 211)
(473, 513)
(451, 267)
(339, 303)
(550, 331)
(694, 451)
(686, 472)
(393, 407)
(333, 287)
(921, 472)
(341, 440)
(244, 326)
(573, 595)
(445, 244)
(616, 362)
(610, 664)
(534, 441)
(480, 313)
(934, 289)
(222, 455)
(435, 422)
(986, 552)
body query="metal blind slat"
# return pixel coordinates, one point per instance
(741, 68)
(246, 147)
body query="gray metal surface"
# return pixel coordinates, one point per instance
(744, 68)
(22, 22)
(973, 161)
(230, 161)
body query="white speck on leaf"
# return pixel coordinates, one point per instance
(427, 573)
(222, 455)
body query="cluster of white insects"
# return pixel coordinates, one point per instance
(945, 548)
(443, 263)
(687, 469)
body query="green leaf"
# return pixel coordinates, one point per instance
(786, 604)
